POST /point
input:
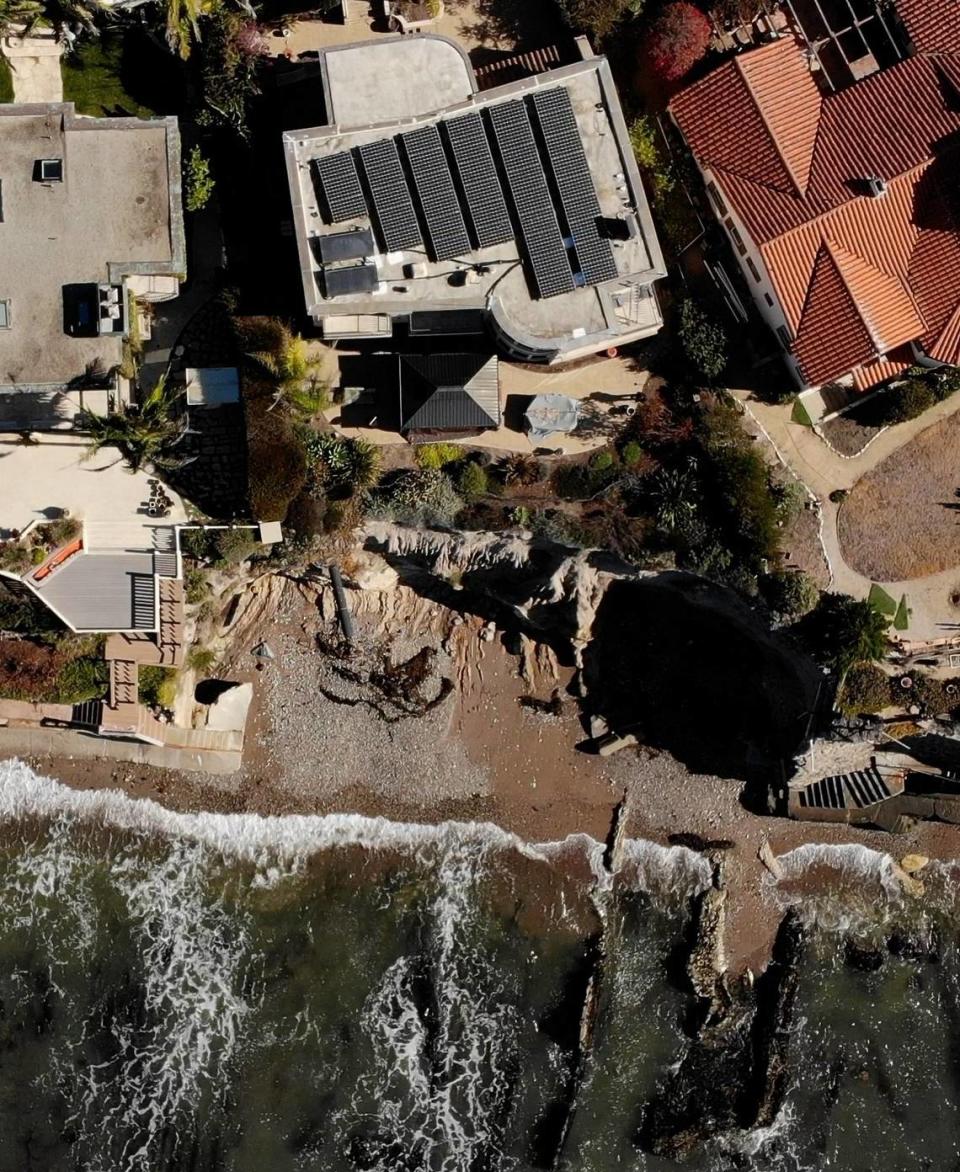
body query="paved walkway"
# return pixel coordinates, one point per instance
(35, 67)
(822, 470)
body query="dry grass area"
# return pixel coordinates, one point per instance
(848, 435)
(902, 520)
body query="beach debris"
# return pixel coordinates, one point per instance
(263, 651)
(612, 743)
(551, 707)
(488, 632)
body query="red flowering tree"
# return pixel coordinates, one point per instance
(678, 39)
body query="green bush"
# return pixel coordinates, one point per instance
(417, 496)
(201, 659)
(14, 557)
(472, 481)
(602, 460)
(866, 689)
(157, 686)
(196, 586)
(631, 454)
(37, 555)
(340, 465)
(437, 455)
(789, 593)
(83, 678)
(703, 340)
(903, 402)
(198, 183)
(276, 460)
(195, 543)
(233, 546)
(57, 533)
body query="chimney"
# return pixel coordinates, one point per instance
(875, 185)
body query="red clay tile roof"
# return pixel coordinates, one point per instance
(865, 377)
(933, 25)
(793, 166)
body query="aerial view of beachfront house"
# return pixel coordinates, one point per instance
(427, 209)
(91, 222)
(841, 203)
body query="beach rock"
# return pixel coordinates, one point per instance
(862, 957)
(913, 863)
(370, 571)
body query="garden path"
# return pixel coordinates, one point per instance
(822, 470)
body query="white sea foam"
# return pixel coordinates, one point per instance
(279, 844)
(863, 887)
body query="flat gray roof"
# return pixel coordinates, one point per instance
(598, 315)
(363, 80)
(117, 211)
(103, 591)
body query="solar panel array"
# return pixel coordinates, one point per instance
(446, 230)
(448, 174)
(535, 214)
(390, 195)
(340, 186)
(571, 173)
(483, 195)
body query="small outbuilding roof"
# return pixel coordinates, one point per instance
(551, 413)
(449, 392)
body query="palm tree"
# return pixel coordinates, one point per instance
(183, 25)
(144, 434)
(290, 365)
(674, 492)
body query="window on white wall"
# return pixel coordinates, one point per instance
(716, 198)
(754, 271)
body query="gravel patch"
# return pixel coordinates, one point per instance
(847, 435)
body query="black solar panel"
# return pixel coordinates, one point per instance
(340, 188)
(344, 246)
(486, 208)
(535, 216)
(438, 197)
(571, 173)
(339, 282)
(392, 204)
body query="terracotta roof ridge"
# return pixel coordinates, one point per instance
(841, 257)
(799, 183)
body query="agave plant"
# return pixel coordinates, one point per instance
(143, 434)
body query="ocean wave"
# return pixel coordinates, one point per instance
(275, 844)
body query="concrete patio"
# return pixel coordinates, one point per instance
(38, 480)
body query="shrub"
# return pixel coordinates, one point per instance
(645, 143)
(196, 586)
(276, 460)
(522, 470)
(598, 17)
(201, 659)
(790, 594)
(841, 631)
(21, 611)
(157, 686)
(417, 496)
(632, 454)
(906, 401)
(437, 455)
(14, 557)
(678, 39)
(83, 678)
(472, 481)
(602, 460)
(704, 342)
(340, 464)
(195, 543)
(59, 532)
(866, 689)
(838, 496)
(232, 53)
(790, 498)
(198, 183)
(307, 514)
(233, 546)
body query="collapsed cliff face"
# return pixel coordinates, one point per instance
(682, 661)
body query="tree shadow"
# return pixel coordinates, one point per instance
(522, 24)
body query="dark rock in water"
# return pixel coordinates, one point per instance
(734, 1074)
(861, 956)
(926, 948)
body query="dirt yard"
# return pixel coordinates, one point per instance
(902, 520)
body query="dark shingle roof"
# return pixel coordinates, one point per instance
(449, 392)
